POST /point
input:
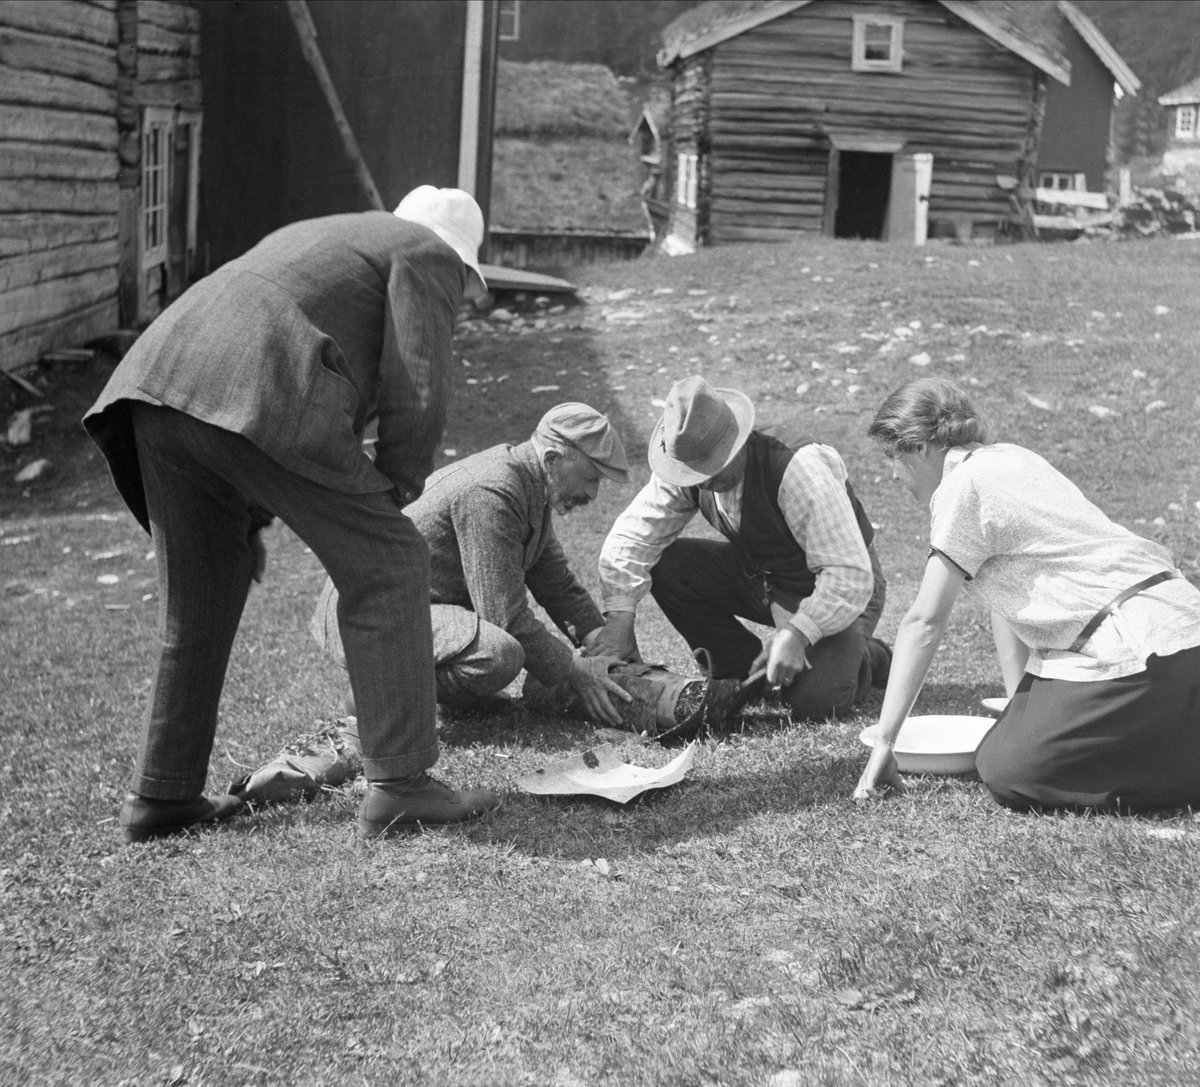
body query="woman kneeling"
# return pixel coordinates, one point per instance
(1097, 632)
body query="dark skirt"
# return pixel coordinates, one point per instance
(1129, 744)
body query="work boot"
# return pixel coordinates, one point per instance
(391, 807)
(880, 655)
(143, 818)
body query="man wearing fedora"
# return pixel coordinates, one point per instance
(247, 400)
(487, 521)
(797, 555)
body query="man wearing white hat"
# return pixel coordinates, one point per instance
(796, 555)
(487, 521)
(247, 400)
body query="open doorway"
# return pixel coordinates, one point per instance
(863, 186)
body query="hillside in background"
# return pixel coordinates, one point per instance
(1160, 41)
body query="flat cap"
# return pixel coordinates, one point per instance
(585, 429)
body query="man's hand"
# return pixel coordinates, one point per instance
(615, 639)
(784, 657)
(589, 679)
(881, 774)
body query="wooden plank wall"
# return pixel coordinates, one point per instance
(690, 135)
(777, 90)
(64, 164)
(168, 54)
(58, 174)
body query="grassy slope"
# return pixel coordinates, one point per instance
(759, 921)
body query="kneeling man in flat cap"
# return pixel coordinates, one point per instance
(796, 555)
(487, 522)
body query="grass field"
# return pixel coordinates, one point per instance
(752, 925)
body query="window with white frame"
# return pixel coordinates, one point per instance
(156, 165)
(1058, 181)
(510, 20)
(687, 169)
(1185, 123)
(878, 44)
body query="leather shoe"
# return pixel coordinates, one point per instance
(143, 818)
(391, 807)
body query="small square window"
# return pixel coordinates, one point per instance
(510, 20)
(878, 44)
(1059, 181)
(1185, 122)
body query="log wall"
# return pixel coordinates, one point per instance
(690, 135)
(58, 175)
(777, 91)
(61, 158)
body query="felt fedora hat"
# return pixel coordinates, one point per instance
(701, 430)
(452, 215)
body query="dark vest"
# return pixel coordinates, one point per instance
(765, 545)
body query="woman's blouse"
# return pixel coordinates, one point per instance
(1047, 560)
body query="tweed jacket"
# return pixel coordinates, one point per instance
(296, 345)
(491, 538)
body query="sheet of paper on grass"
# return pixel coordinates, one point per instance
(600, 771)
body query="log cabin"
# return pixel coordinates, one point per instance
(1182, 152)
(879, 119)
(100, 118)
(566, 186)
(121, 182)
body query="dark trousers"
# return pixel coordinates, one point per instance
(1121, 744)
(703, 590)
(206, 491)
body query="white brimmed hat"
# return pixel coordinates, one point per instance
(701, 430)
(452, 215)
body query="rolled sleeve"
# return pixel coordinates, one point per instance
(649, 525)
(817, 509)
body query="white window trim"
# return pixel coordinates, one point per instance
(687, 169)
(167, 120)
(858, 59)
(1185, 122)
(1062, 181)
(163, 120)
(515, 34)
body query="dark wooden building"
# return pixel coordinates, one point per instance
(857, 118)
(145, 142)
(414, 79)
(1075, 151)
(100, 119)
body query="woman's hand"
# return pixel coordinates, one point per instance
(881, 774)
